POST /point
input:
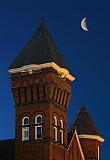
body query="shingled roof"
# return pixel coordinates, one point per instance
(7, 149)
(84, 123)
(39, 50)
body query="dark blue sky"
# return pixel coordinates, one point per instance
(87, 54)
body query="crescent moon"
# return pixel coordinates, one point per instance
(84, 24)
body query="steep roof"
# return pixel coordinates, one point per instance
(84, 123)
(39, 50)
(7, 149)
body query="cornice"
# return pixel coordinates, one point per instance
(95, 137)
(64, 73)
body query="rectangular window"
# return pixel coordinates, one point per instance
(38, 132)
(55, 133)
(25, 133)
(61, 136)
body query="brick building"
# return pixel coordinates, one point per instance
(42, 87)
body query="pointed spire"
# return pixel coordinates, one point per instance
(84, 123)
(40, 49)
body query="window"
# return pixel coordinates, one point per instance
(55, 128)
(61, 124)
(38, 127)
(25, 121)
(25, 129)
(38, 119)
(38, 132)
(61, 132)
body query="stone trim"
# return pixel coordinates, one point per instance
(96, 137)
(80, 148)
(64, 73)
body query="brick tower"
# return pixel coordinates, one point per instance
(41, 86)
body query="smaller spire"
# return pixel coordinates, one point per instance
(85, 124)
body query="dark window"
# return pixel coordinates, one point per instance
(38, 119)
(25, 129)
(26, 121)
(39, 131)
(26, 134)
(38, 127)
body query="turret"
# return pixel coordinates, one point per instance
(89, 136)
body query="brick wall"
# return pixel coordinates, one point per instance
(43, 92)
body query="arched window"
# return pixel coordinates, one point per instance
(55, 128)
(25, 129)
(61, 124)
(38, 127)
(61, 132)
(55, 121)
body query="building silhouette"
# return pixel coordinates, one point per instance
(42, 87)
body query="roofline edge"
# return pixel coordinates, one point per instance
(96, 137)
(30, 68)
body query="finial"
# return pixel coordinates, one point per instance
(84, 103)
(42, 22)
(83, 108)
